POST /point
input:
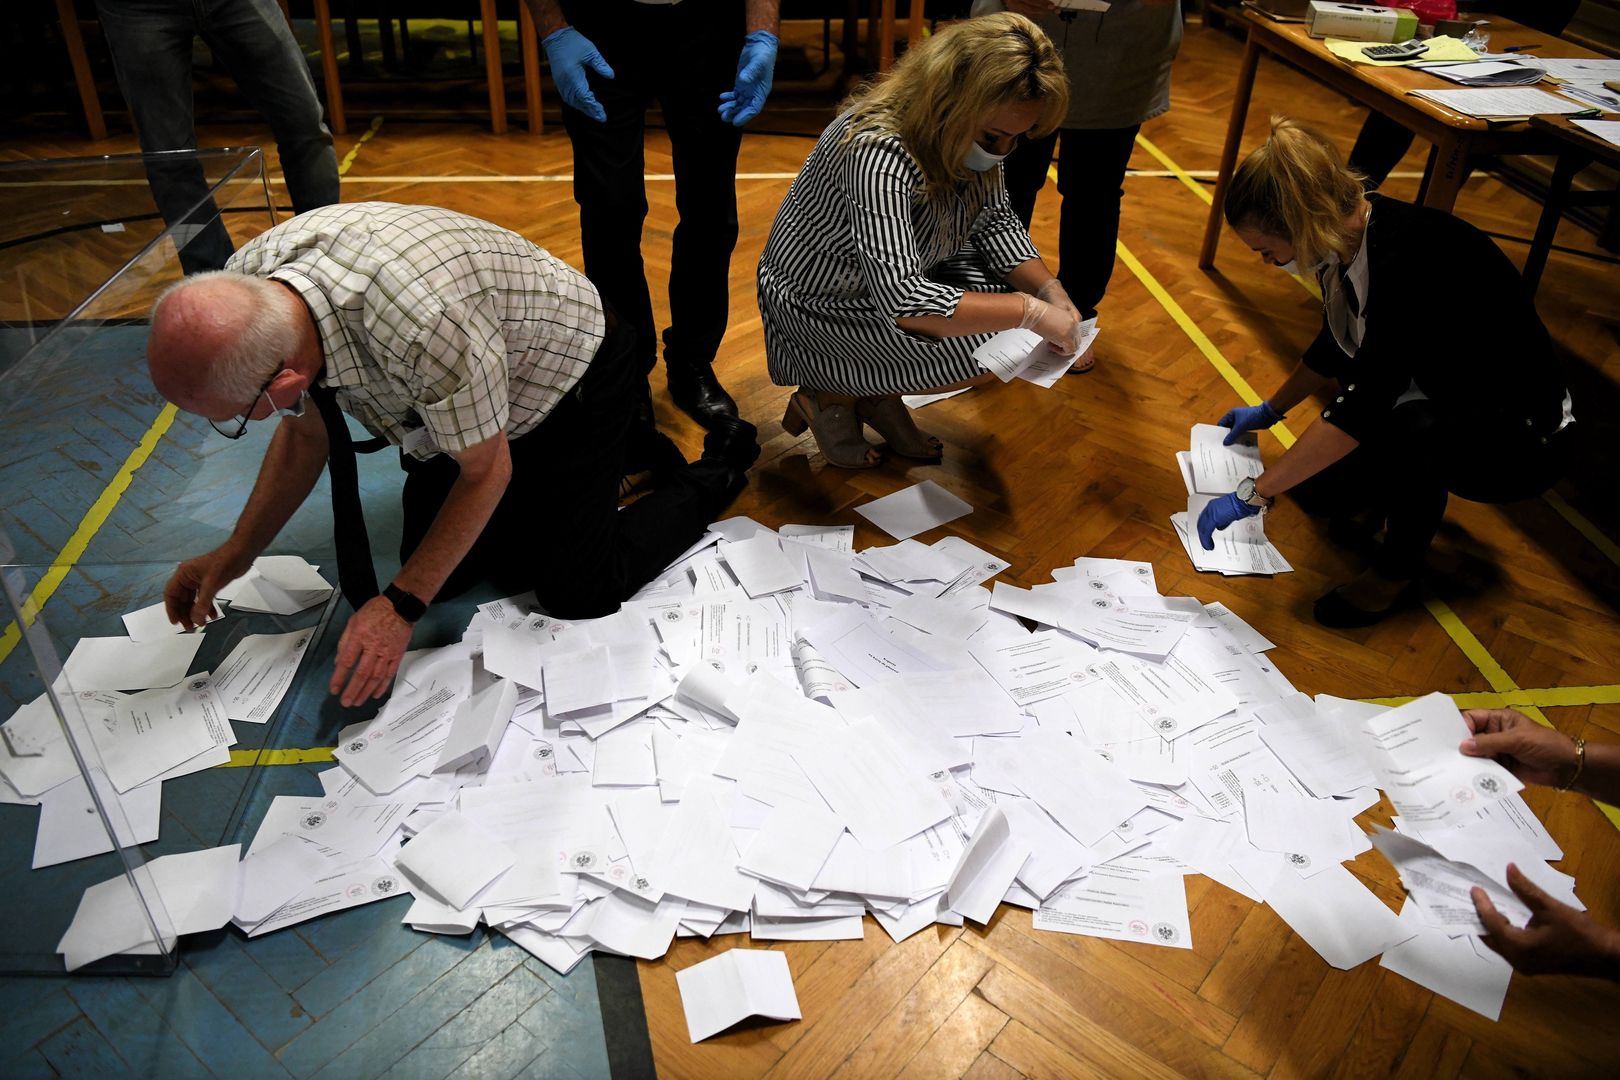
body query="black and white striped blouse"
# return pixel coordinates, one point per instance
(857, 245)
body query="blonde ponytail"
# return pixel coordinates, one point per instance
(1296, 186)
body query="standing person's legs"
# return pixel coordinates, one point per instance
(251, 38)
(1091, 178)
(1379, 147)
(150, 42)
(704, 149)
(1025, 172)
(609, 168)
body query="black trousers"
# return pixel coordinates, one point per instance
(683, 56)
(1408, 471)
(559, 529)
(1091, 177)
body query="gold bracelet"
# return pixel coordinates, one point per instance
(1580, 763)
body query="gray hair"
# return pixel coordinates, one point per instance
(267, 336)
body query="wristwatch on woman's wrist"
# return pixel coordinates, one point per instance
(407, 606)
(1246, 494)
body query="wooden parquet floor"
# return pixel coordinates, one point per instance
(1087, 469)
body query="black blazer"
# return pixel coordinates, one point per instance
(1445, 308)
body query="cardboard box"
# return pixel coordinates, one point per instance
(1359, 22)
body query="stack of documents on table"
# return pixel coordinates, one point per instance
(1211, 469)
(782, 735)
(1506, 72)
(1024, 354)
(1513, 103)
(1584, 78)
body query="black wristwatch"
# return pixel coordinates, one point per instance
(407, 606)
(1246, 494)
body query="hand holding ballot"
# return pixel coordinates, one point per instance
(1558, 940)
(189, 597)
(1247, 418)
(1218, 514)
(1535, 754)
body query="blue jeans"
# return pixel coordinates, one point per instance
(151, 43)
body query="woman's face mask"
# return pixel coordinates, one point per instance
(981, 160)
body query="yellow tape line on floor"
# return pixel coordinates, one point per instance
(354, 151)
(89, 525)
(287, 756)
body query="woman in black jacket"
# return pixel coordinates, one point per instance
(1423, 407)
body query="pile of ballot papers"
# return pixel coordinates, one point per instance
(782, 735)
(1211, 469)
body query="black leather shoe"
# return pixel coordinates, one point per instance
(698, 393)
(733, 442)
(1334, 611)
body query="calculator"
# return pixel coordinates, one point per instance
(1405, 50)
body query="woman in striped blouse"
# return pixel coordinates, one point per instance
(896, 254)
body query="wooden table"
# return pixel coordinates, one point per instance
(1576, 149)
(1455, 137)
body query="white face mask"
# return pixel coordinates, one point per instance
(981, 160)
(1292, 267)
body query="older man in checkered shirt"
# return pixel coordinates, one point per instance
(493, 366)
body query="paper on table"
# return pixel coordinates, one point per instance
(1607, 130)
(115, 663)
(258, 672)
(733, 986)
(1336, 915)
(1413, 752)
(455, 859)
(1441, 47)
(1123, 904)
(1504, 103)
(1450, 966)
(913, 510)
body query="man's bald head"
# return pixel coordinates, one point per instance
(218, 337)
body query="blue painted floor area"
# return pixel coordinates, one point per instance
(354, 994)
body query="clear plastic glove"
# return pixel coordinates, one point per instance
(1218, 514)
(571, 53)
(1246, 418)
(755, 66)
(1059, 327)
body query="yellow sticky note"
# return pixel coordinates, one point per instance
(1448, 49)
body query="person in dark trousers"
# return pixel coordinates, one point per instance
(1118, 62)
(151, 43)
(506, 383)
(708, 64)
(1477, 409)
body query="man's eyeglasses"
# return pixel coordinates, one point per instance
(236, 427)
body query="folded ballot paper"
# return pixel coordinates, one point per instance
(1023, 354)
(1211, 469)
(783, 734)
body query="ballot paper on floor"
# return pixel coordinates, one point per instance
(191, 893)
(1323, 754)
(1443, 888)
(792, 846)
(835, 537)
(257, 674)
(155, 731)
(344, 884)
(1413, 751)
(881, 796)
(274, 873)
(1460, 969)
(1216, 467)
(455, 859)
(760, 565)
(152, 623)
(1039, 666)
(863, 652)
(987, 868)
(1140, 625)
(277, 584)
(1123, 904)
(1337, 915)
(401, 742)
(70, 828)
(1246, 635)
(478, 725)
(733, 986)
(116, 663)
(913, 510)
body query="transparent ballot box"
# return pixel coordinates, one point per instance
(104, 488)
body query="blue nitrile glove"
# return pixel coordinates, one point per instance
(570, 53)
(1219, 513)
(755, 66)
(1246, 418)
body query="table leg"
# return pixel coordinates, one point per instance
(82, 77)
(335, 118)
(914, 28)
(1569, 163)
(1234, 139)
(492, 66)
(1448, 168)
(886, 37)
(531, 69)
